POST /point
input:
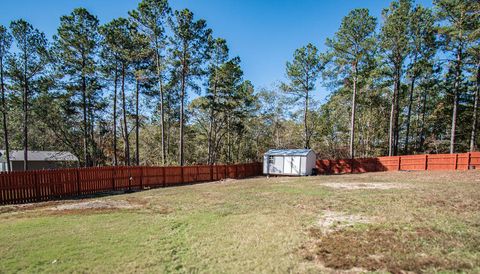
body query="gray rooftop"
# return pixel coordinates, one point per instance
(52, 156)
(288, 152)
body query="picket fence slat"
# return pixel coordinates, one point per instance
(42, 185)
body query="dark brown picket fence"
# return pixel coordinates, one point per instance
(41, 185)
(461, 161)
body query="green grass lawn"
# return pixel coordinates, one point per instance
(397, 221)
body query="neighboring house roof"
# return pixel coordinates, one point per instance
(288, 152)
(52, 156)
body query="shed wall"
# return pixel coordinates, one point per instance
(311, 162)
(39, 165)
(303, 166)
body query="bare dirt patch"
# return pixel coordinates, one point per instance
(355, 185)
(221, 181)
(17, 208)
(228, 181)
(391, 249)
(95, 205)
(334, 221)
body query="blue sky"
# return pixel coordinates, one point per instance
(264, 33)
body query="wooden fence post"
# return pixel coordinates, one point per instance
(79, 190)
(469, 160)
(37, 186)
(141, 178)
(211, 172)
(197, 171)
(113, 178)
(456, 162)
(164, 182)
(181, 171)
(129, 175)
(399, 163)
(426, 161)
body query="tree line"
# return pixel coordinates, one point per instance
(158, 88)
(407, 85)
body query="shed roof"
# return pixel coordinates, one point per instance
(47, 156)
(288, 152)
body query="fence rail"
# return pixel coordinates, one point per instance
(461, 161)
(42, 185)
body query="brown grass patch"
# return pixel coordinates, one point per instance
(355, 185)
(391, 249)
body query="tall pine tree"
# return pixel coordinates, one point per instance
(189, 52)
(151, 17)
(76, 48)
(458, 18)
(352, 48)
(394, 43)
(303, 72)
(25, 67)
(5, 44)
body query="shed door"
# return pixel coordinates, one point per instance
(292, 165)
(275, 165)
(296, 165)
(287, 165)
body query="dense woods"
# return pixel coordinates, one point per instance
(157, 87)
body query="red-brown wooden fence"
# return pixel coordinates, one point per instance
(41, 185)
(461, 161)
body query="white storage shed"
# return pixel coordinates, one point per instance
(296, 162)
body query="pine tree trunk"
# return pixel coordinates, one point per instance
(229, 147)
(277, 133)
(124, 109)
(115, 157)
(393, 127)
(162, 118)
(397, 111)
(137, 124)
(209, 141)
(391, 131)
(409, 113)
(352, 121)
(167, 141)
(473, 137)
(212, 122)
(454, 121)
(422, 127)
(305, 119)
(162, 103)
(85, 122)
(4, 116)
(182, 102)
(25, 117)
(91, 131)
(458, 72)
